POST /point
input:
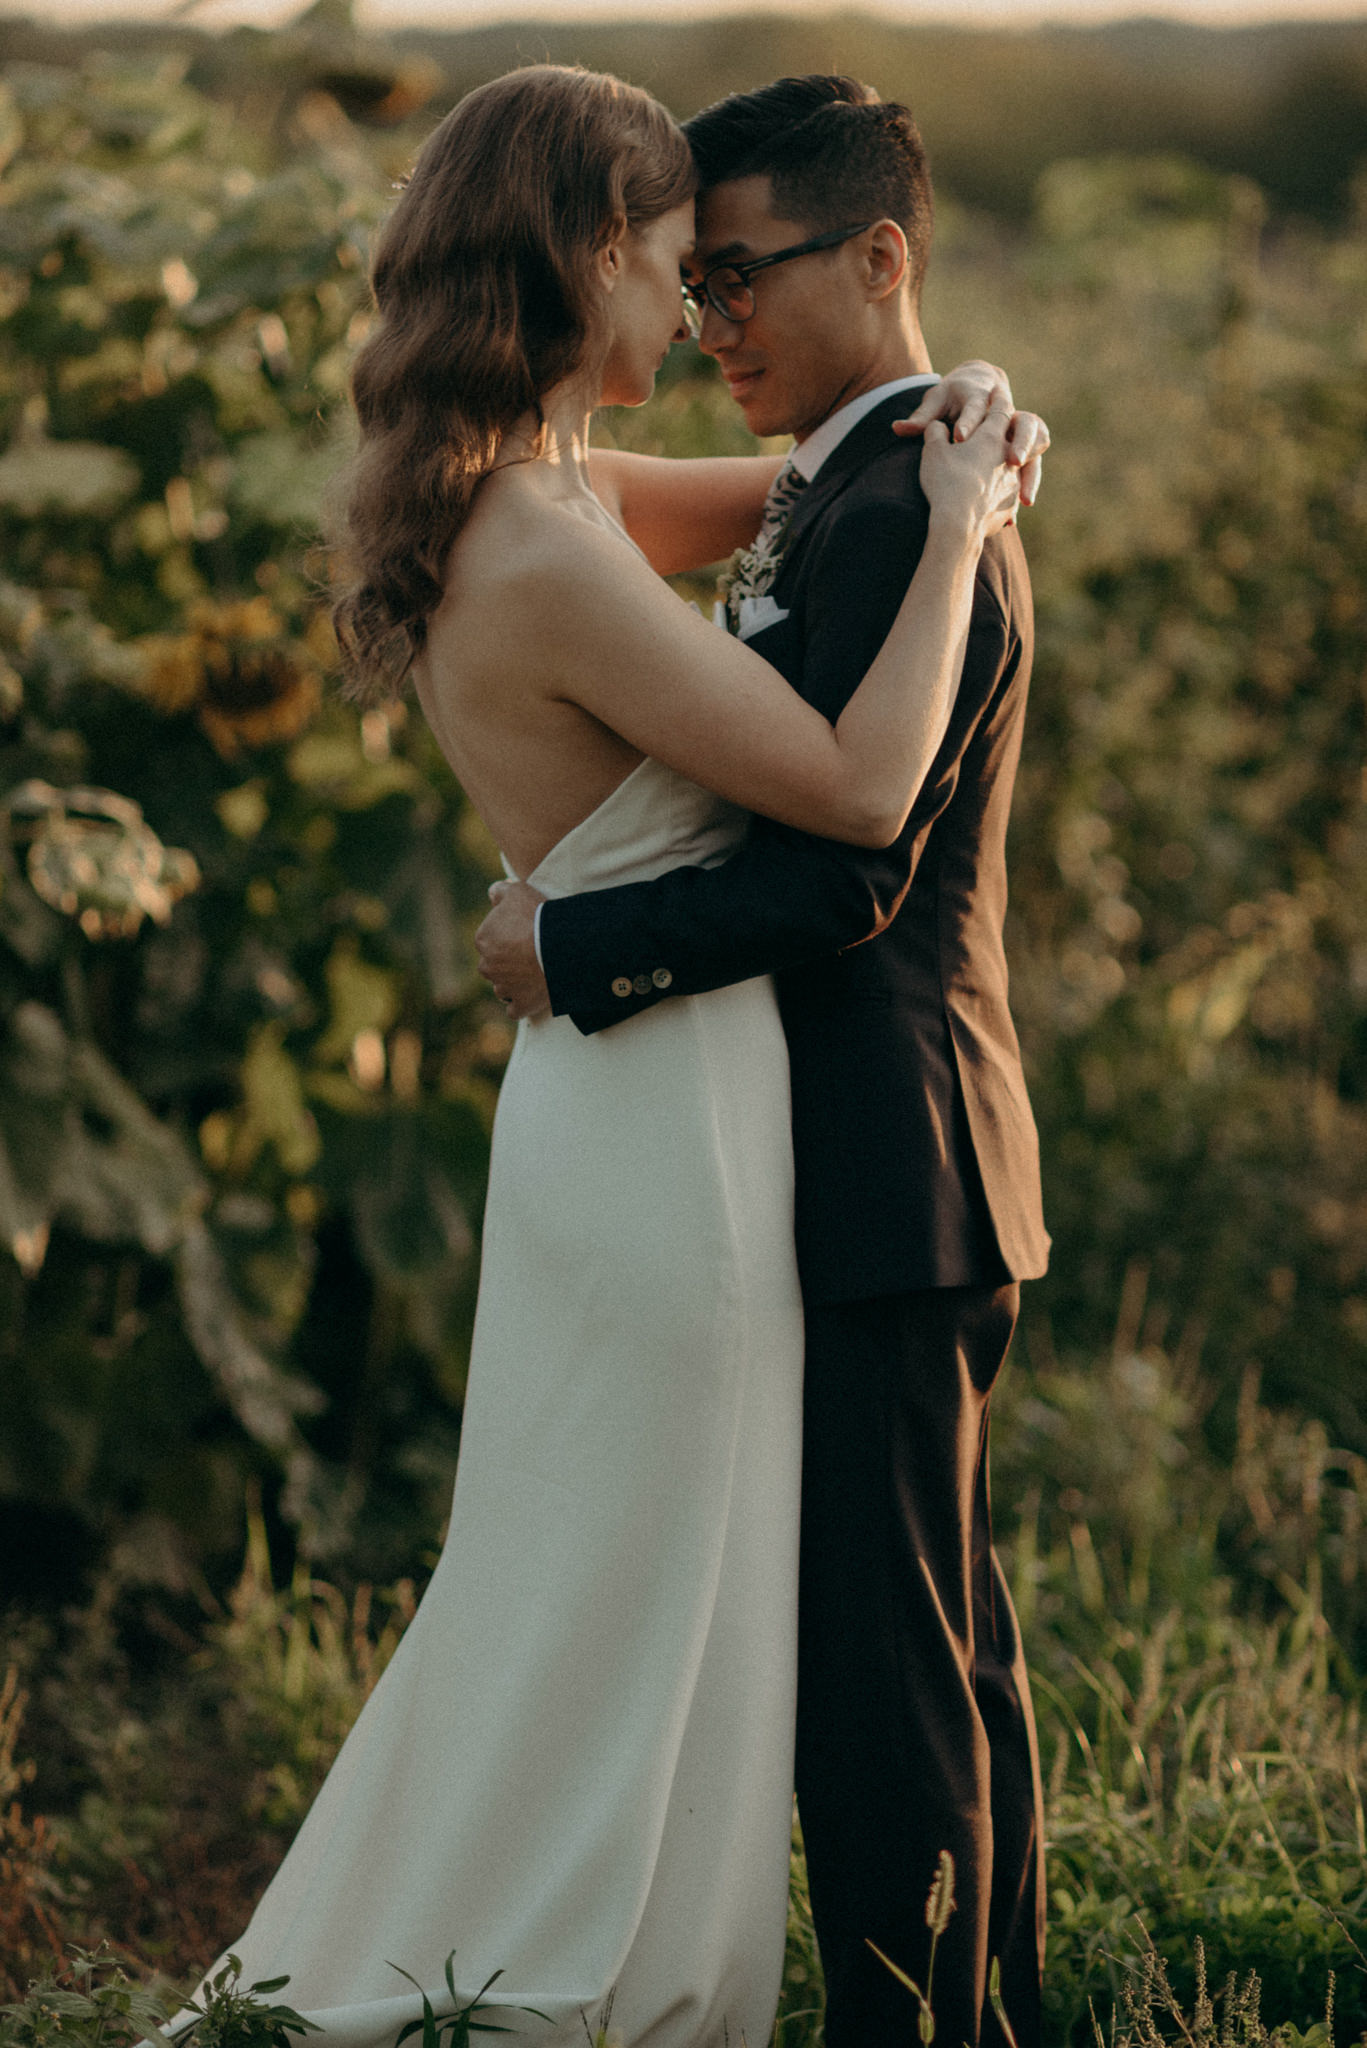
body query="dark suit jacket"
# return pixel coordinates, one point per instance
(916, 1155)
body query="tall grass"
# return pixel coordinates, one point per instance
(1193, 1624)
(148, 1793)
(1200, 1724)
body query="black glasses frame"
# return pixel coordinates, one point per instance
(703, 294)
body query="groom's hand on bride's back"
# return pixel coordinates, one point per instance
(506, 948)
(963, 400)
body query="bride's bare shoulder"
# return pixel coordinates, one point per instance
(527, 555)
(517, 539)
(539, 596)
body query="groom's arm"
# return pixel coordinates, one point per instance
(785, 897)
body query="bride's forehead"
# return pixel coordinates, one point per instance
(672, 232)
(683, 223)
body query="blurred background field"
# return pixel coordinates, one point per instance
(247, 1070)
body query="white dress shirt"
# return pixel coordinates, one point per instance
(808, 455)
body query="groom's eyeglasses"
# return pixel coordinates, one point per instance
(726, 288)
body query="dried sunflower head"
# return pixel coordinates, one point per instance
(252, 681)
(93, 856)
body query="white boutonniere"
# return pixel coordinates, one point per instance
(749, 573)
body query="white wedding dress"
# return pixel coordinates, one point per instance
(577, 1769)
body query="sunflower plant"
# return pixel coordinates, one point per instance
(246, 1069)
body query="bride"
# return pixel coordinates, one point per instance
(577, 1770)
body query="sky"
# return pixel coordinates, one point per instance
(457, 14)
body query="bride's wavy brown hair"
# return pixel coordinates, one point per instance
(484, 284)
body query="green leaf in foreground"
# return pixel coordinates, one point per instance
(459, 2025)
(90, 2001)
(229, 2017)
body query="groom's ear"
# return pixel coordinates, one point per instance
(885, 257)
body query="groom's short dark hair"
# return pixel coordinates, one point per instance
(834, 152)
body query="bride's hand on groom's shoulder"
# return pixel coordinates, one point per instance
(962, 400)
(972, 485)
(505, 945)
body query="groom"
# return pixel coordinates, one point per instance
(918, 1199)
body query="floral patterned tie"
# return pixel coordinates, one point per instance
(752, 570)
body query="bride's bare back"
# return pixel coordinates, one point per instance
(532, 761)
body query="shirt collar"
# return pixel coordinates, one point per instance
(808, 456)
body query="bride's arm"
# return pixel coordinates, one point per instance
(684, 512)
(652, 671)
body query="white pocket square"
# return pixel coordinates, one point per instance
(756, 613)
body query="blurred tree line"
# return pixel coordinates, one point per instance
(247, 1071)
(1282, 103)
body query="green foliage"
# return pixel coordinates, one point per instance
(1153, 2013)
(168, 1784)
(1241, 1827)
(288, 1671)
(1186, 855)
(1200, 1719)
(453, 2030)
(1201, 1732)
(227, 2016)
(91, 2003)
(243, 1055)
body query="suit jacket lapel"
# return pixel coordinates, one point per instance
(868, 437)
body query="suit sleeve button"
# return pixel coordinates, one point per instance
(642, 984)
(662, 977)
(621, 987)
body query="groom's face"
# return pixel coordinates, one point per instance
(793, 363)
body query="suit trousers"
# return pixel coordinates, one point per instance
(915, 1731)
